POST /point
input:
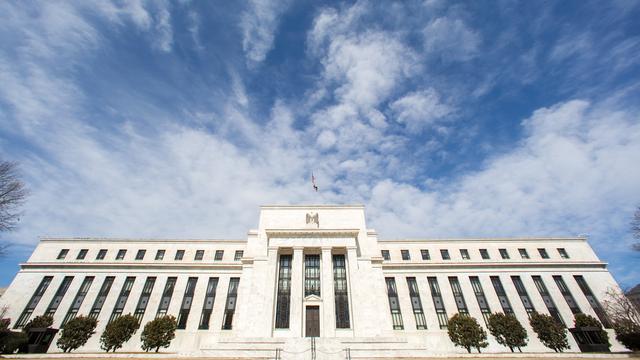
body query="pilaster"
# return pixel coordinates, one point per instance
(328, 295)
(297, 272)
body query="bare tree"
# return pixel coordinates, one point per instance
(12, 195)
(619, 308)
(635, 228)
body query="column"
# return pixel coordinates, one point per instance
(352, 268)
(297, 312)
(328, 328)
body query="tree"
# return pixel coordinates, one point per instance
(118, 332)
(508, 331)
(624, 317)
(584, 320)
(466, 332)
(159, 333)
(12, 195)
(38, 322)
(76, 332)
(551, 333)
(635, 228)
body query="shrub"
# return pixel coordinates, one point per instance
(584, 320)
(118, 332)
(10, 341)
(627, 333)
(465, 331)
(507, 330)
(76, 332)
(551, 333)
(38, 322)
(159, 333)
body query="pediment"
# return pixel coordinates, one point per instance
(313, 298)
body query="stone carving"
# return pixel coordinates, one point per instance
(313, 220)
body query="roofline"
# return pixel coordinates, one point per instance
(320, 206)
(104, 239)
(554, 238)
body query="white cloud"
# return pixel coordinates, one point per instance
(259, 24)
(420, 109)
(451, 39)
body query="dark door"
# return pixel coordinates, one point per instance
(313, 321)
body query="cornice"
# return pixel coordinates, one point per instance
(319, 206)
(311, 233)
(140, 240)
(509, 239)
(131, 266)
(494, 265)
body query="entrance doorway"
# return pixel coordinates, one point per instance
(312, 321)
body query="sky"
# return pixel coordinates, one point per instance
(178, 119)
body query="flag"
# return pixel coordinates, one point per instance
(313, 182)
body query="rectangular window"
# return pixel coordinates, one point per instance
(33, 302)
(238, 255)
(312, 275)
(481, 298)
(437, 302)
(484, 254)
(230, 306)
(385, 255)
(445, 254)
(563, 253)
(502, 295)
(140, 254)
(101, 254)
(503, 253)
(284, 292)
(57, 298)
(121, 254)
(416, 303)
(546, 297)
(394, 304)
(523, 253)
(160, 254)
(593, 301)
(199, 255)
(457, 295)
(340, 292)
(568, 297)
(179, 255)
(405, 255)
(524, 296)
(102, 297)
(464, 253)
(167, 293)
(185, 308)
(82, 254)
(122, 298)
(425, 254)
(543, 253)
(141, 308)
(62, 254)
(219, 255)
(207, 307)
(77, 301)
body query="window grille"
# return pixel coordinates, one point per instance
(238, 255)
(504, 253)
(385, 255)
(437, 302)
(340, 292)
(179, 255)
(82, 254)
(524, 296)
(502, 295)
(457, 295)
(101, 254)
(102, 297)
(563, 253)
(160, 254)
(62, 254)
(484, 254)
(464, 253)
(199, 255)
(33, 302)
(416, 303)
(425, 254)
(523, 253)
(546, 297)
(219, 255)
(543, 253)
(141, 308)
(140, 255)
(185, 308)
(57, 298)
(207, 307)
(77, 301)
(230, 307)
(445, 254)
(483, 304)
(312, 275)
(122, 298)
(593, 301)
(568, 297)
(405, 255)
(167, 293)
(121, 254)
(284, 292)
(394, 304)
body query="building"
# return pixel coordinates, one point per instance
(634, 296)
(307, 272)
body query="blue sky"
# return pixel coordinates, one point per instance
(446, 119)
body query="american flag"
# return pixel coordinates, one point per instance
(313, 182)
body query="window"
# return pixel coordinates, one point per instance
(405, 255)
(230, 306)
(425, 254)
(502, 295)
(82, 254)
(563, 253)
(207, 307)
(312, 275)
(484, 254)
(546, 297)
(394, 304)
(167, 293)
(141, 308)
(416, 304)
(524, 296)
(185, 308)
(238, 255)
(457, 295)
(57, 298)
(102, 297)
(465, 254)
(503, 253)
(445, 254)
(121, 254)
(159, 254)
(543, 253)
(199, 255)
(219, 255)
(62, 254)
(284, 292)
(77, 301)
(523, 253)
(595, 304)
(385, 255)
(33, 302)
(122, 298)
(101, 254)
(340, 292)
(437, 302)
(179, 255)
(140, 254)
(481, 298)
(566, 293)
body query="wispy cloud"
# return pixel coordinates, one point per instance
(259, 24)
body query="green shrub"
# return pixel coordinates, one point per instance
(584, 320)
(508, 331)
(10, 341)
(466, 332)
(159, 333)
(76, 332)
(38, 322)
(551, 333)
(627, 333)
(118, 332)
